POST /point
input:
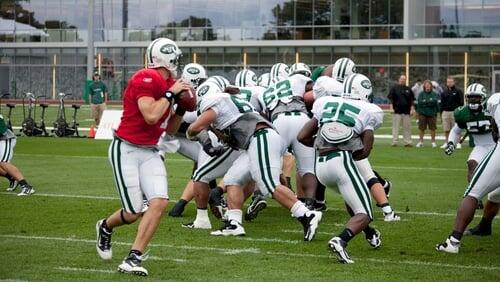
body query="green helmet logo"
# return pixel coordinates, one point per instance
(203, 90)
(193, 70)
(366, 84)
(167, 49)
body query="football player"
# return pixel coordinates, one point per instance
(476, 121)
(285, 108)
(245, 78)
(138, 170)
(7, 169)
(241, 128)
(484, 180)
(342, 126)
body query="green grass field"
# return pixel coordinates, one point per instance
(50, 235)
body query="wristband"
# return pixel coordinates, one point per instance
(169, 95)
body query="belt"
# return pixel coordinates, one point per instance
(330, 155)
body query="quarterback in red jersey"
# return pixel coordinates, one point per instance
(138, 170)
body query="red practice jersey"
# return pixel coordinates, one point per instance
(133, 128)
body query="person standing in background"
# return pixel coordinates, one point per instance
(402, 99)
(427, 107)
(451, 98)
(98, 97)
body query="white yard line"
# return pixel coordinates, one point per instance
(249, 250)
(76, 269)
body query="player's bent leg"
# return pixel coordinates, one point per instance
(201, 194)
(490, 211)
(104, 231)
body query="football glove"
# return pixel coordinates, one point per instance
(450, 148)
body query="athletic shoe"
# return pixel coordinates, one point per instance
(320, 206)
(434, 145)
(374, 240)
(215, 200)
(258, 203)
(103, 244)
(478, 231)
(198, 225)
(387, 187)
(177, 210)
(230, 228)
(132, 264)
(12, 185)
(338, 247)
(26, 190)
(310, 222)
(449, 246)
(419, 145)
(444, 146)
(392, 216)
(145, 205)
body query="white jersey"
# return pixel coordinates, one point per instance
(493, 107)
(359, 115)
(338, 88)
(284, 91)
(228, 108)
(252, 94)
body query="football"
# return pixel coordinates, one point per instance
(187, 100)
(309, 99)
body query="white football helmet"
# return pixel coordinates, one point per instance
(221, 81)
(207, 87)
(163, 53)
(279, 71)
(245, 78)
(476, 96)
(326, 86)
(357, 87)
(195, 74)
(300, 68)
(343, 68)
(264, 80)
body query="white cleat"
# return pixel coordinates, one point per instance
(103, 244)
(198, 225)
(338, 247)
(230, 228)
(449, 246)
(26, 191)
(310, 222)
(132, 265)
(392, 216)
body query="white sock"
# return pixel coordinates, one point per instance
(235, 215)
(202, 215)
(387, 209)
(299, 209)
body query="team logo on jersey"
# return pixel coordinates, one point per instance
(366, 84)
(193, 70)
(203, 90)
(167, 49)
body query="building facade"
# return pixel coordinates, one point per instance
(43, 43)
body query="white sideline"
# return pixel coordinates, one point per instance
(258, 251)
(64, 268)
(423, 213)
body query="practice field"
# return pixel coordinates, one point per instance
(50, 235)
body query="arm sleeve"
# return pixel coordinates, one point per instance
(375, 119)
(454, 135)
(209, 103)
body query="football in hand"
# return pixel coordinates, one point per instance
(187, 100)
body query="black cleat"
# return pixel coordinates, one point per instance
(258, 203)
(387, 188)
(216, 202)
(178, 209)
(478, 231)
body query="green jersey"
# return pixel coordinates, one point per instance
(475, 123)
(97, 90)
(428, 103)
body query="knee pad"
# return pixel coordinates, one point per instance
(372, 182)
(123, 218)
